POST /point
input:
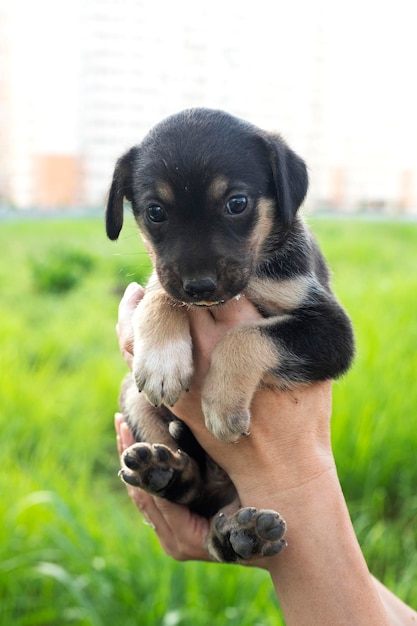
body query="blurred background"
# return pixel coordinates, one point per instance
(82, 80)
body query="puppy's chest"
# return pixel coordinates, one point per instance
(278, 297)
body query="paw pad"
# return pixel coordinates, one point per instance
(150, 467)
(249, 533)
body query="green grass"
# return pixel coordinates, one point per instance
(72, 548)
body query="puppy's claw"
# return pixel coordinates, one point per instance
(275, 548)
(220, 521)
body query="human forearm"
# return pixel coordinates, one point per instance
(321, 577)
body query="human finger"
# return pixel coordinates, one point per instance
(233, 313)
(124, 329)
(180, 532)
(209, 325)
(124, 437)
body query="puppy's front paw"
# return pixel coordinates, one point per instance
(163, 373)
(249, 533)
(226, 403)
(239, 362)
(227, 421)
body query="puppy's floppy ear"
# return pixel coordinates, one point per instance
(121, 187)
(289, 176)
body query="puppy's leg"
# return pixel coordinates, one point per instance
(238, 365)
(155, 463)
(163, 363)
(245, 534)
(313, 343)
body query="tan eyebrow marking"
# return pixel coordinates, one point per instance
(265, 209)
(218, 187)
(165, 192)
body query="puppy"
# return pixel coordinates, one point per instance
(216, 200)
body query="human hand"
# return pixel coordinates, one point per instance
(180, 532)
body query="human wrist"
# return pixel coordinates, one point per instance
(283, 479)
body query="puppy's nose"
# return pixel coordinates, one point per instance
(199, 287)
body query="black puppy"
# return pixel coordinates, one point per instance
(216, 200)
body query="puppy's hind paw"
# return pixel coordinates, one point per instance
(152, 466)
(161, 471)
(248, 534)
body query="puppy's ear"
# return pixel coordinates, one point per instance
(289, 176)
(121, 187)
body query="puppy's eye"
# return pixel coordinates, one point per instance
(236, 205)
(156, 214)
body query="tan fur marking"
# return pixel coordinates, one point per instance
(160, 318)
(162, 362)
(165, 192)
(239, 363)
(285, 295)
(218, 188)
(248, 352)
(263, 226)
(149, 247)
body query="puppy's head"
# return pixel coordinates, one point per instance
(213, 196)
